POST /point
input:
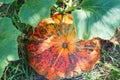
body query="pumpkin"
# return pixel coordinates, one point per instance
(56, 53)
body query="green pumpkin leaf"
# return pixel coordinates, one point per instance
(97, 18)
(6, 1)
(35, 10)
(8, 43)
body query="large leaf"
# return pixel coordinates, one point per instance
(97, 18)
(35, 10)
(6, 1)
(8, 43)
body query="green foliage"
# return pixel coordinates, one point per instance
(97, 18)
(35, 10)
(8, 43)
(6, 1)
(114, 75)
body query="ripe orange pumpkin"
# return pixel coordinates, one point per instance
(55, 52)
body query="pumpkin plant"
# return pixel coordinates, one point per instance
(61, 45)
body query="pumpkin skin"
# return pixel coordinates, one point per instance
(55, 52)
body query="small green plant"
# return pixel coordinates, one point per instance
(92, 18)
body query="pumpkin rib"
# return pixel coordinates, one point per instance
(59, 54)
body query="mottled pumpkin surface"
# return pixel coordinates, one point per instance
(56, 53)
